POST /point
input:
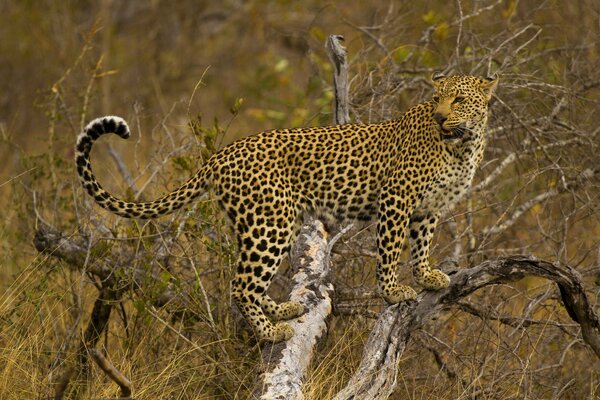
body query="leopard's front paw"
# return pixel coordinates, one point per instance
(434, 280)
(399, 293)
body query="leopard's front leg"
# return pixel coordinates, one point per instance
(391, 232)
(422, 225)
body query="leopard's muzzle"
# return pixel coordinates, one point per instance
(454, 133)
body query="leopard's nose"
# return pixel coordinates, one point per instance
(439, 118)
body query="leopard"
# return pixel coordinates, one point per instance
(402, 174)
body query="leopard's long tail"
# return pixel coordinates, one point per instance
(181, 196)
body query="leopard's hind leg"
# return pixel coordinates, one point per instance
(261, 248)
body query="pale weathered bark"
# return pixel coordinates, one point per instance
(337, 55)
(285, 364)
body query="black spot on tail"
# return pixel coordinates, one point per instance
(122, 130)
(95, 131)
(109, 125)
(84, 144)
(80, 160)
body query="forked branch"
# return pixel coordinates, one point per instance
(378, 369)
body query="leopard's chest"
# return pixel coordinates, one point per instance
(451, 182)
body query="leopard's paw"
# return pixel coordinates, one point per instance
(434, 280)
(399, 293)
(277, 333)
(290, 310)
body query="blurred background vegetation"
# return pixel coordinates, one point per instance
(192, 76)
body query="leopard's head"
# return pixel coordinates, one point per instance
(461, 103)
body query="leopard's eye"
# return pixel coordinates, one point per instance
(436, 98)
(458, 99)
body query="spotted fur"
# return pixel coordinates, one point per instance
(405, 173)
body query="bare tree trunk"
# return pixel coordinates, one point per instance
(285, 364)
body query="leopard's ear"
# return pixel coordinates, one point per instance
(437, 78)
(488, 85)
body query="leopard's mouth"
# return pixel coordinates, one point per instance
(454, 133)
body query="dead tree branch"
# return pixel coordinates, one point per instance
(511, 219)
(337, 55)
(50, 241)
(376, 375)
(113, 373)
(114, 278)
(96, 325)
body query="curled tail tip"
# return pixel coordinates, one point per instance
(107, 124)
(97, 128)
